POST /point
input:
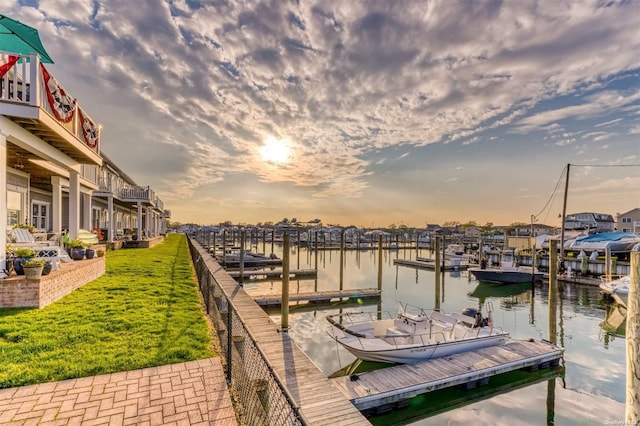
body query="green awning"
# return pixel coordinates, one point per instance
(15, 37)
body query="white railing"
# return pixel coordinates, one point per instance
(24, 84)
(137, 193)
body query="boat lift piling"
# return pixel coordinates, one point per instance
(632, 408)
(553, 289)
(243, 235)
(437, 264)
(379, 261)
(284, 323)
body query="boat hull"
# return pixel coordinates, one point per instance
(423, 353)
(506, 277)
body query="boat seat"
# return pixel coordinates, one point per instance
(396, 332)
(465, 319)
(413, 317)
(448, 320)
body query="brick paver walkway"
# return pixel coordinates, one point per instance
(191, 393)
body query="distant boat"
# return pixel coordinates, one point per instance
(506, 273)
(617, 289)
(249, 258)
(413, 336)
(616, 242)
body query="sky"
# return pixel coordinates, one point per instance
(366, 113)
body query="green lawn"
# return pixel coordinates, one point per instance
(143, 312)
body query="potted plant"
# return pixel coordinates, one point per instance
(89, 253)
(77, 249)
(21, 256)
(33, 268)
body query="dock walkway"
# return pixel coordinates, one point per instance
(318, 296)
(395, 384)
(294, 274)
(421, 264)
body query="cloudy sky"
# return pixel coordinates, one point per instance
(358, 112)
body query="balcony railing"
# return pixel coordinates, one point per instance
(137, 193)
(159, 204)
(24, 84)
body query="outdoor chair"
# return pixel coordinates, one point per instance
(22, 238)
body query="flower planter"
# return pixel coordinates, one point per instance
(46, 269)
(89, 253)
(17, 264)
(33, 272)
(77, 253)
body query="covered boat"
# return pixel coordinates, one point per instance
(414, 335)
(616, 242)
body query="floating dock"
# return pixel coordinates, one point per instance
(318, 296)
(421, 264)
(250, 263)
(396, 384)
(295, 274)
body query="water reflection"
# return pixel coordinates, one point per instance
(594, 355)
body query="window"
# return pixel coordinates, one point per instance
(14, 208)
(40, 215)
(626, 220)
(96, 214)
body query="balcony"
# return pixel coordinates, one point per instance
(137, 193)
(46, 109)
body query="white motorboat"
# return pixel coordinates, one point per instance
(413, 336)
(507, 273)
(617, 289)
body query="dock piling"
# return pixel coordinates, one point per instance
(632, 410)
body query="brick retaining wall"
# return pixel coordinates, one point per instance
(17, 291)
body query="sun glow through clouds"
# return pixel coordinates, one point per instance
(275, 150)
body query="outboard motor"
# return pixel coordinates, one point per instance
(474, 313)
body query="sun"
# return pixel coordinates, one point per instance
(275, 150)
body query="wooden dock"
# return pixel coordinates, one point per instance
(398, 383)
(421, 264)
(318, 296)
(295, 274)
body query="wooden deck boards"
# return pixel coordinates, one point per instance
(393, 384)
(420, 264)
(318, 296)
(317, 399)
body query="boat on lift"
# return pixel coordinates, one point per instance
(413, 334)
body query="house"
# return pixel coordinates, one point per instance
(629, 221)
(596, 222)
(121, 208)
(53, 170)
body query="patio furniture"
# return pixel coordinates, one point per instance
(22, 238)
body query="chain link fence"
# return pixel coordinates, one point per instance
(263, 398)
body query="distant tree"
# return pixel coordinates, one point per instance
(451, 224)
(392, 226)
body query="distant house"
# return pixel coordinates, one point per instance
(472, 232)
(598, 222)
(629, 221)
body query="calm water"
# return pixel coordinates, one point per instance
(590, 391)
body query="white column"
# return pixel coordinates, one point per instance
(139, 230)
(147, 224)
(3, 205)
(111, 225)
(85, 223)
(56, 208)
(74, 204)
